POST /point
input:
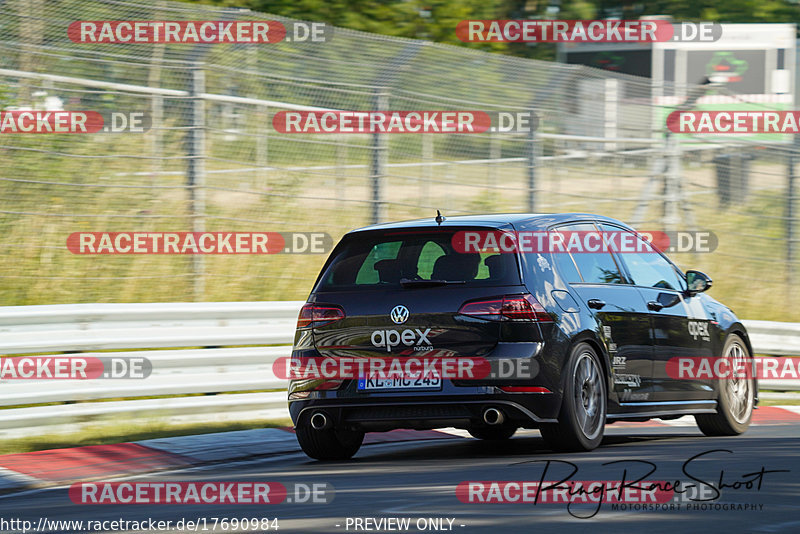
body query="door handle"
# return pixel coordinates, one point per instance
(596, 303)
(655, 306)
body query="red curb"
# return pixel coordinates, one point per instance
(60, 465)
(765, 415)
(772, 415)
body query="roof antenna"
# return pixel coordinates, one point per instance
(439, 217)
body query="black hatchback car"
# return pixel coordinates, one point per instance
(594, 331)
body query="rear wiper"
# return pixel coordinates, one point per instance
(407, 282)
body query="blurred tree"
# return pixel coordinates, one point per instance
(724, 10)
(435, 20)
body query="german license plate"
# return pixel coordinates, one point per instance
(376, 383)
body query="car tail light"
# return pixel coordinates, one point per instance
(507, 308)
(316, 315)
(524, 389)
(322, 386)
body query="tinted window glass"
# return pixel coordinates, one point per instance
(566, 268)
(431, 251)
(382, 260)
(649, 268)
(594, 267)
(369, 273)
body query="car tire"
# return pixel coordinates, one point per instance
(736, 397)
(581, 421)
(492, 433)
(330, 443)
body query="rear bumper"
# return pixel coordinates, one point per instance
(421, 412)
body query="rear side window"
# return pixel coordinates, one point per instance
(591, 267)
(382, 260)
(567, 268)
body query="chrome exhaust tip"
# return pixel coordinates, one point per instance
(319, 421)
(493, 416)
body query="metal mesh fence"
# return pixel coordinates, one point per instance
(212, 159)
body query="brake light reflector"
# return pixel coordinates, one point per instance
(507, 308)
(316, 315)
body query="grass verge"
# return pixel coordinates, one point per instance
(778, 402)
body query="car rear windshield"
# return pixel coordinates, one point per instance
(407, 259)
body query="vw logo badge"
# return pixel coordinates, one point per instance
(399, 314)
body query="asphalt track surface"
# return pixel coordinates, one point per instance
(418, 480)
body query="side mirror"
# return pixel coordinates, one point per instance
(697, 282)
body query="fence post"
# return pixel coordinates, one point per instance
(427, 168)
(196, 172)
(377, 169)
(532, 157)
(31, 34)
(790, 214)
(156, 138)
(262, 146)
(340, 181)
(494, 155)
(672, 186)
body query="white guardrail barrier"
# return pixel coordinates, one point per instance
(201, 352)
(218, 349)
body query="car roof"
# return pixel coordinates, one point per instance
(493, 220)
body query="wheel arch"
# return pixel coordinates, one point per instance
(739, 329)
(590, 338)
